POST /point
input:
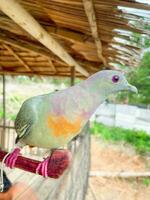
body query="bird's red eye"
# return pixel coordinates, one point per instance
(115, 78)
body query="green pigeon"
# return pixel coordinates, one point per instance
(52, 120)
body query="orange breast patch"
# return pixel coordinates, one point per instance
(63, 127)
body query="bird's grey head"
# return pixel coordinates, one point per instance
(111, 81)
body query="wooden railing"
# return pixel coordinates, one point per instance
(7, 135)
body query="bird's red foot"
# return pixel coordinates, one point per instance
(12, 157)
(55, 165)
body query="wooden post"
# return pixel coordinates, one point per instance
(73, 73)
(4, 112)
(72, 80)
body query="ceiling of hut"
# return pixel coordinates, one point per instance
(96, 34)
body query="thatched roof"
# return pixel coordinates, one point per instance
(96, 34)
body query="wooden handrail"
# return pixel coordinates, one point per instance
(9, 127)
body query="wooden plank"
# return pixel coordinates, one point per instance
(16, 12)
(14, 174)
(89, 10)
(119, 174)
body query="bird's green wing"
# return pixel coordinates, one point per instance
(24, 121)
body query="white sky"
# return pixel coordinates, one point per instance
(139, 12)
(144, 1)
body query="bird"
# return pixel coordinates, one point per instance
(52, 120)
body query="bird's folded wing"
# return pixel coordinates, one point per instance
(24, 122)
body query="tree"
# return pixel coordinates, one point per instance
(140, 77)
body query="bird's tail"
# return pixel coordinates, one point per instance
(7, 182)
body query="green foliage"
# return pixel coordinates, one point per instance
(12, 117)
(141, 79)
(146, 181)
(1, 112)
(139, 139)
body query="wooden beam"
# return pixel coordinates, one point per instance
(89, 10)
(42, 73)
(18, 14)
(17, 57)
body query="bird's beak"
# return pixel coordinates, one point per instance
(131, 88)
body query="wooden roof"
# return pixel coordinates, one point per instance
(85, 32)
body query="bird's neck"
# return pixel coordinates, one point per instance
(95, 94)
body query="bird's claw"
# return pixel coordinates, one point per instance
(42, 168)
(12, 157)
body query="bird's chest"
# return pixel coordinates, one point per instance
(61, 126)
(54, 132)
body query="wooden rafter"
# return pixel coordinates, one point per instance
(12, 39)
(18, 14)
(89, 10)
(17, 57)
(44, 73)
(52, 65)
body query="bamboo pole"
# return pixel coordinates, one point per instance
(18, 14)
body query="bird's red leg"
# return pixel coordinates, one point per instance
(54, 165)
(42, 168)
(12, 157)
